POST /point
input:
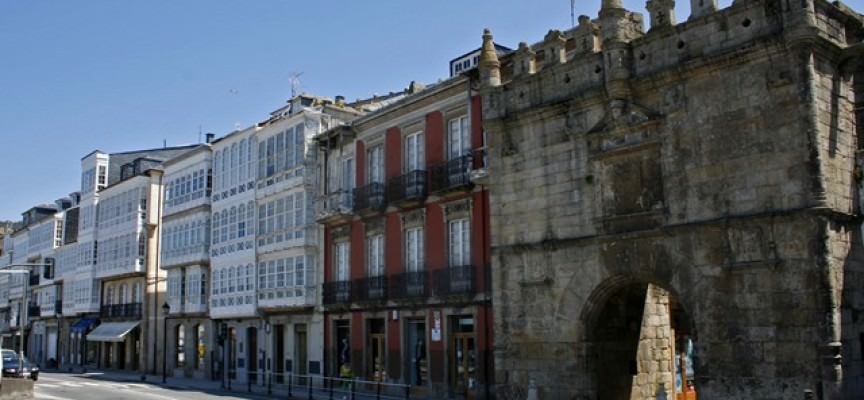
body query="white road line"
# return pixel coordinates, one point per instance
(43, 396)
(45, 385)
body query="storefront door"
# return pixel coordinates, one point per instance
(463, 356)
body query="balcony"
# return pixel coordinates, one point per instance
(455, 281)
(369, 197)
(337, 292)
(370, 289)
(452, 175)
(128, 310)
(407, 188)
(335, 207)
(409, 285)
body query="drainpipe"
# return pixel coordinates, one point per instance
(158, 239)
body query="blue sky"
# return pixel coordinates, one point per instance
(122, 75)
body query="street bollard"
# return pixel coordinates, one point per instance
(378, 392)
(407, 392)
(353, 388)
(331, 387)
(309, 387)
(290, 384)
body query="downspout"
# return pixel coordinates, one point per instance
(487, 365)
(158, 238)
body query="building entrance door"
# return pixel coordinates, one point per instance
(463, 356)
(415, 342)
(252, 353)
(301, 354)
(279, 349)
(375, 362)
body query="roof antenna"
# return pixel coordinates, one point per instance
(294, 78)
(572, 13)
(199, 133)
(164, 143)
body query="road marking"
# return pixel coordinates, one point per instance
(43, 396)
(46, 385)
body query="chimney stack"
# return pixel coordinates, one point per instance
(208, 137)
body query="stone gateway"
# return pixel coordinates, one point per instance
(675, 212)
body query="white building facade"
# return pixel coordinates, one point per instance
(185, 256)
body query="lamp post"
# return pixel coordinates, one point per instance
(166, 308)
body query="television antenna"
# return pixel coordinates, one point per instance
(294, 79)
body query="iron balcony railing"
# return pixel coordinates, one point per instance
(337, 292)
(411, 284)
(370, 289)
(455, 280)
(369, 197)
(128, 310)
(410, 186)
(451, 174)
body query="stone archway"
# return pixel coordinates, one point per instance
(638, 340)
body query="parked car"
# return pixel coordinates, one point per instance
(12, 369)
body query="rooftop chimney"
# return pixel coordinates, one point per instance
(208, 137)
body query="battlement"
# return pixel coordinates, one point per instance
(616, 47)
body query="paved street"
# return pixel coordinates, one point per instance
(61, 386)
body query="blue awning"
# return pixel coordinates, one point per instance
(83, 325)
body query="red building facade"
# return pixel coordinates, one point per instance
(406, 241)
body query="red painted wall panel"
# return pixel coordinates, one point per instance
(436, 349)
(436, 250)
(393, 153)
(476, 122)
(392, 244)
(434, 136)
(358, 250)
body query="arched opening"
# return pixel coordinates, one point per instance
(640, 342)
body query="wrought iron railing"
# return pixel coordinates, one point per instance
(412, 284)
(128, 310)
(337, 292)
(455, 280)
(410, 186)
(370, 289)
(451, 174)
(369, 197)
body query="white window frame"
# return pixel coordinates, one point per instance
(375, 259)
(415, 152)
(459, 242)
(414, 251)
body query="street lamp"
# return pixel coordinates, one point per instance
(166, 308)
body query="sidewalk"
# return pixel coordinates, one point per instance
(175, 383)
(238, 389)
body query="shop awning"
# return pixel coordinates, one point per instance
(83, 325)
(111, 331)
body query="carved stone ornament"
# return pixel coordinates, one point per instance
(374, 225)
(457, 209)
(414, 218)
(341, 232)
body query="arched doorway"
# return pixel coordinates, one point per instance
(640, 343)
